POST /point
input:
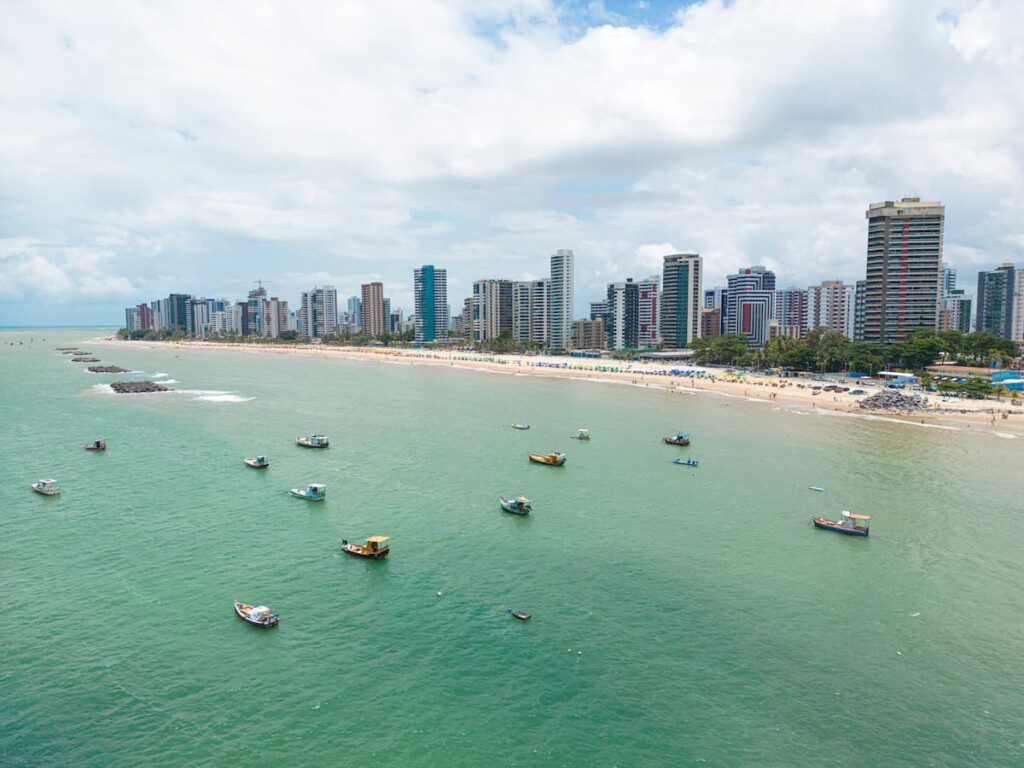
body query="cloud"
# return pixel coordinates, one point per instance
(195, 146)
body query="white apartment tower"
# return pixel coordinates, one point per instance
(562, 288)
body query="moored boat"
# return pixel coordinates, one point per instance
(686, 462)
(680, 439)
(554, 459)
(96, 445)
(581, 434)
(258, 462)
(815, 488)
(313, 441)
(375, 548)
(521, 615)
(258, 616)
(313, 492)
(520, 426)
(851, 524)
(518, 506)
(47, 487)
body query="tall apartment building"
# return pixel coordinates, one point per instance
(649, 312)
(588, 334)
(904, 269)
(621, 324)
(751, 304)
(598, 309)
(178, 313)
(954, 305)
(254, 304)
(1000, 302)
(791, 307)
(859, 302)
(373, 319)
(467, 317)
(318, 313)
(531, 304)
(831, 305)
(492, 309)
(710, 323)
(430, 289)
(717, 298)
(681, 281)
(275, 317)
(562, 290)
(354, 306)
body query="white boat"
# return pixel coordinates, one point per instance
(581, 434)
(313, 492)
(517, 506)
(520, 426)
(258, 462)
(47, 487)
(313, 441)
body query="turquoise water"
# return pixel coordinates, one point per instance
(715, 625)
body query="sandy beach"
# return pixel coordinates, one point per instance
(1000, 418)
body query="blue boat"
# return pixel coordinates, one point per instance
(851, 524)
(680, 439)
(686, 462)
(517, 506)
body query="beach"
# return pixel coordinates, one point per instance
(1000, 418)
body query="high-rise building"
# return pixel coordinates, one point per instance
(387, 316)
(530, 305)
(430, 289)
(859, 300)
(621, 324)
(492, 309)
(751, 304)
(649, 312)
(598, 309)
(954, 305)
(373, 310)
(255, 305)
(710, 323)
(467, 318)
(830, 306)
(588, 334)
(682, 278)
(562, 289)
(1000, 302)
(717, 298)
(355, 310)
(904, 269)
(791, 306)
(318, 313)
(178, 317)
(275, 317)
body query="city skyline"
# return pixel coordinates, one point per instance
(629, 133)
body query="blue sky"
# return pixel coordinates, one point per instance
(198, 147)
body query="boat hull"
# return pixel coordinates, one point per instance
(308, 445)
(269, 624)
(357, 551)
(547, 460)
(832, 525)
(513, 509)
(674, 441)
(43, 492)
(95, 447)
(254, 465)
(305, 496)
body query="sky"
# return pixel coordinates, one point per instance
(198, 147)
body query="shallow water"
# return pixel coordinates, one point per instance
(709, 622)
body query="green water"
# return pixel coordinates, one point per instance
(717, 627)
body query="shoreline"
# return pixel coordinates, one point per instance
(998, 418)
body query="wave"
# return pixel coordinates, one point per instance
(160, 375)
(214, 395)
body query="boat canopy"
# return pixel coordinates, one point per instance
(523, 499)
(377, 540)
(316, 486)
(47, 481)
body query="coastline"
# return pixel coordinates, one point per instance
(998, 418)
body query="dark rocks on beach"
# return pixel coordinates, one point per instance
(106, 369)
(136, 387)
(895, 401)
(85, 360)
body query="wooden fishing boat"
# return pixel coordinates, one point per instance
(258, 462)
(47, 487)
(517, 506)
(520, 426)
(313, 441)
(851, 524)
(686, 462)
(258, 616)
(96, 445)
(521, 615)
(680, 439)
(313, 492)
(581, 434)
(553, 459)
(375, 548)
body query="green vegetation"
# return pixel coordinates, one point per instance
(829, 351)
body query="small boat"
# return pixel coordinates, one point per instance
(96, 445)
(686, 462)
(521, 615)
(554, 459)
(847, 525)
(258, 462)
(313, 441)
(581, 434)
(520, 426)
(815, 488)
(518, 506)
(47, 487)
(313, 492)
(375, 548)
(680, 439)
(258, 616)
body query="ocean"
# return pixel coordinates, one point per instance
(681, 616)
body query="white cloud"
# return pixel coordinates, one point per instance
(199, 146)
